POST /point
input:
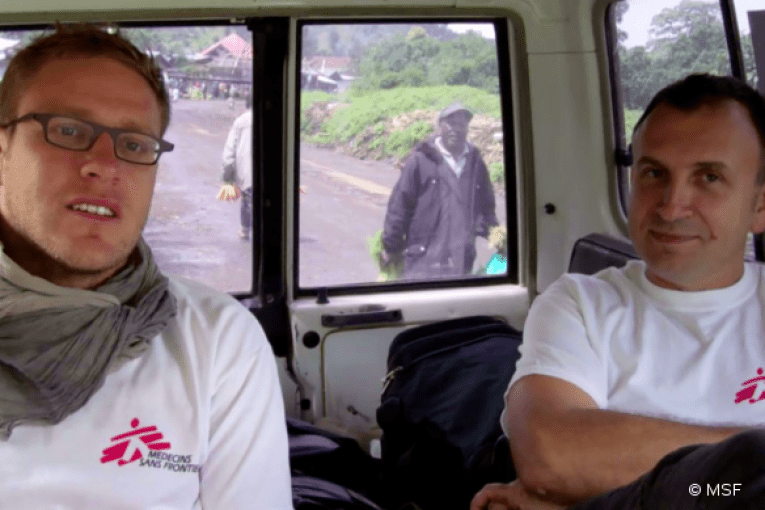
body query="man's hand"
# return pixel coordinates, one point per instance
(228, 192)
(387, 259)
(512, 496)
(498, 238)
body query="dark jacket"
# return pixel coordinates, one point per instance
(416, 209)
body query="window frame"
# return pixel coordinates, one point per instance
(509, 153)
(622, 152)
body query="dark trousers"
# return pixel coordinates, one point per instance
(729, 474)
(246, 208)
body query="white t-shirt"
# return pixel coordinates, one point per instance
(197, 422)
(692, 357)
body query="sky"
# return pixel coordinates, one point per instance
(485, 29)
(637, 20)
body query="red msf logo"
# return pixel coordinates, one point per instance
(134, 445)
(754, 389)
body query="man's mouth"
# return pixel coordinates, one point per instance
(670, 238)
(96, 210)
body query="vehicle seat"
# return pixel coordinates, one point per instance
(598, 251)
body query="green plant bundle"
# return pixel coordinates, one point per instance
(389, 272)
(497, 173)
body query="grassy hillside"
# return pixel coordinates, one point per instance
(387, 124)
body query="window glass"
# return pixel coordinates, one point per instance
(208, 72)
(662, 41)
(388, 191)
(657, 43)
(751, 25)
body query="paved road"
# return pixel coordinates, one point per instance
(343, 205)
(192, 234)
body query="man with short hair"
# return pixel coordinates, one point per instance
(119, 387)
(637, 386)
(443, 199)
(237, 169)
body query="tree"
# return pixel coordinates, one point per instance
(635, 70)
(683, 39)
(418, 59)
(689, 17)
(620, 9)
(750, 66)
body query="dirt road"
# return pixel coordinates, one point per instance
(191, 233)
(194, 235)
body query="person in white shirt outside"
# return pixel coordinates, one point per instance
(635, 385)
(237, 169)
(120, 387)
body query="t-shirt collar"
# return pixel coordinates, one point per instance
(715, 299)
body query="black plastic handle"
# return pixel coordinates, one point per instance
(354, 319)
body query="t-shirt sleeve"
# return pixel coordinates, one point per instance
(248, 460)
(556, 342)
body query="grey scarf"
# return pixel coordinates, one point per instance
(57, 344)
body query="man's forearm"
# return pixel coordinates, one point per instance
(583, 452)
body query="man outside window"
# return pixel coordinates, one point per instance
(237, 169)
(626, 391)
(441, 202)
(119, 387)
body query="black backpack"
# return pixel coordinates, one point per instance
(440, 411)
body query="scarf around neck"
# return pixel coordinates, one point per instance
(57, 344)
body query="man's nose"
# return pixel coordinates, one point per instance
(100, 158)
(676, 200)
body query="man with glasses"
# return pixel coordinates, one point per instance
(441, 202)
(119, 387)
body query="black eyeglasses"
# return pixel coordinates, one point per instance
(80, 135)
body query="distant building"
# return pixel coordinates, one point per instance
(327, 65)
(231, 56)
(326, 73)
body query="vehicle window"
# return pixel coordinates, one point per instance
(660, 42)
(750, 15)
(208, 73)
(751, 25)
(388, 189)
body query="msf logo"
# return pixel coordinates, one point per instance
(754, 389)
(134, 445)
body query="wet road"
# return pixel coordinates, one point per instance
(191, 233)
(194, 235)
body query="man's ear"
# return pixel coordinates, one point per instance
(758, 222)
(4, 141)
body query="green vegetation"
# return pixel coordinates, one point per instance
(630, 119)
(418, 60)
(351, 40)
(391, 271)
(687, 38)
(181, 41)
(307, 99)
(400, 143)
(373, 107)
(497, 173)
(367, 119)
